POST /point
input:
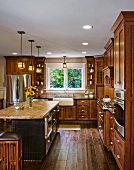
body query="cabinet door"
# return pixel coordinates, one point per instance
(11, 66)
(93, 110)
(61, 113)
(70, 113)
(119, 58)
(99, 70)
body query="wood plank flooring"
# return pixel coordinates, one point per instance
(73, 150)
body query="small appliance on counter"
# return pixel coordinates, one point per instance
(86, 94)
(91, 95)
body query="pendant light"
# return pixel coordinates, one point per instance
(64, 64)
(38, 69)
(31, 67)
(21, 65)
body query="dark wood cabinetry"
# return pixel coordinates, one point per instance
(104, 125)
(99, 82)
(1, 103)
(86, 110)
(90, 72)
(67, 113)
(39, 74)
(109, 76)
(109, 53)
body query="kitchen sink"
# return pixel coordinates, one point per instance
(64, 101)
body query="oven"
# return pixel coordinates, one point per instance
(119, 111)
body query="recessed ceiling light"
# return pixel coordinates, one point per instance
(85, 43)
(84, 52)
(49, 53)
(14, 53)
(87, 27)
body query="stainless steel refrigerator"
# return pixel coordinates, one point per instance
(15, 88)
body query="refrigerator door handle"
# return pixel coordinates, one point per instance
(17, 89)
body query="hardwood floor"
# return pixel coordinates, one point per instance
(73, 150)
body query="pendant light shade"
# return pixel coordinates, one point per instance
(64, 64)
(31, 67)
(38, 69)
(21, 65)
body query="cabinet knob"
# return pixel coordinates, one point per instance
(48, 140)
(111, 143)
(111, 117)
(118, 141)
(82, 101)
(118, 156)
(82, 110)
(100, 126)
(82, 116)
(111, 128)
(101, 115)
(100, 112)
(53, 119)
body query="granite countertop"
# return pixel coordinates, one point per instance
(38, 111)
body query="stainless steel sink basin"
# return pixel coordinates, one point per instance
(64, 101)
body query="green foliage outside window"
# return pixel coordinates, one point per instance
(74, 78)
(56, 78)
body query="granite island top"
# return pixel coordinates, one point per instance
(38, 111)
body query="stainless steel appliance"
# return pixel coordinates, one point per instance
(15, 85)
(119, 111)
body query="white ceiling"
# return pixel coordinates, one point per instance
(56, 25)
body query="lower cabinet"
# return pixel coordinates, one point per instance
(86, 110)
(82, 110)
(119, 150)
(67, 113)
(110, 137)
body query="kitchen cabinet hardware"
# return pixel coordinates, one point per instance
(118, 156)
(118, 141)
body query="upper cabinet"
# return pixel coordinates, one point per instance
(39, 71)
(90, 72)
(109, 53)
(37, 77)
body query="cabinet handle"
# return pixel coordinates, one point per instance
(100, 112)
(100, 126)
(101, 115)
(118, 156)
(48, 140)
(82, 101)
(111, 117)
(118, 141)
(82, 116)
(53, 119)
(111, 128)
(82, 110)
(111, 143)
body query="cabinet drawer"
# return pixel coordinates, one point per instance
(82, 117)
(83, 102)
(82, 113)
(118, 140)
(119, 157)
(82, 109)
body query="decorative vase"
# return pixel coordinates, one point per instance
(30, 102)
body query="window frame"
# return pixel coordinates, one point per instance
(69, 66)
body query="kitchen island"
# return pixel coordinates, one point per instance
(37, 126)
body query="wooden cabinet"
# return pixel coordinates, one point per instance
(111, 141)
(119, 150)
(109, 76)
(83, 108)
(1, 103)
(11, 65)
(86, 110)
(119, 57)
(67, 113)
(93, 110)
(90, 72)
(103, 125)
(109, 53)
(39, 75)
(99, 82)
